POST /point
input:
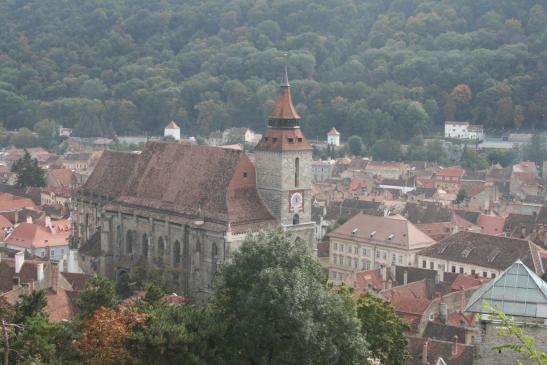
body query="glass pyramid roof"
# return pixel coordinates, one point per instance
(518, 291)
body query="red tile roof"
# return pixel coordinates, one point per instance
(59, 305)
(30, 235)
(172, 125)
(194, 180)
(491, 224)
(333, 132)
(10, 203)
(284, 108)
(451, 172)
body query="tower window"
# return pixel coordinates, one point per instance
(291, 140)
(274, 139)
(245, 174)
(296, 171)
(295, 219)
(299, 139)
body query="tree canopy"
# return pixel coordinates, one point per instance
(377, 69)
(28, 172)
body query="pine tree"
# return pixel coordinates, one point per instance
(29, 173)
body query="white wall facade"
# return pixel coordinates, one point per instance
(456, 130)
(175, 133)
(346, 257)
(455, 266)
(54, 253)
(333, 139)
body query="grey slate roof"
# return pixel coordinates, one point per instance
(485, 250)
(518, 291)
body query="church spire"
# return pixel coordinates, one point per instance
(285, 80)
(284, 108)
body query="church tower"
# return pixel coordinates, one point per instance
(283, 165)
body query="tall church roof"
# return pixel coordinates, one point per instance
(284, 108)
(217, 184)
(111, 174)
(518, 291)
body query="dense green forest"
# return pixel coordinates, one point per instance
(374, 68)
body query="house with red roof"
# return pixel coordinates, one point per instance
(48, 241)
(172, 130)
(449, 178)
(333, 137)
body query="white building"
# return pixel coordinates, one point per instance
(173, 130)
(463, 130)
(367, 242)
(333, 137)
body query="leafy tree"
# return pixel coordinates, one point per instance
(177, 334)
(436, 152)
(462, 196)
(277, 308)
(23, 139)
(535, 150)
(387, 150)
(47, 132)
(386, 338)
(416, 149)
(30, 305)
(503, 157)
(355, 144)
(520, 342)
(104, 336)
(28, 172)
(98, 292)
(35, 344)
(153, 295)
(472, 160)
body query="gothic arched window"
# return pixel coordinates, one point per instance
(176, 253)
(145, 245)
(128, 242)
(296, 172)
(295, 219)
(161, 247)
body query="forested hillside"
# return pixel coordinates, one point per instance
(370, 67)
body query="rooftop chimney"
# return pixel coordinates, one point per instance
(29, 219)
(443, 311)
(19, 261)
(39, 272)
(454, 345)
(405, 277)
(48, 222)
(424, 352)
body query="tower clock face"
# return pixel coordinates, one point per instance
(296, 201)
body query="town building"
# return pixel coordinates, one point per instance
(522, 296)
(188, 207)
(333, 137)
(50, 240)
(480, 254)
(463, 130)
(387, 170)
(322, 170)
(77, 161)
(172, 130)
(55, 196)
(365, 242)
(449, 178)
